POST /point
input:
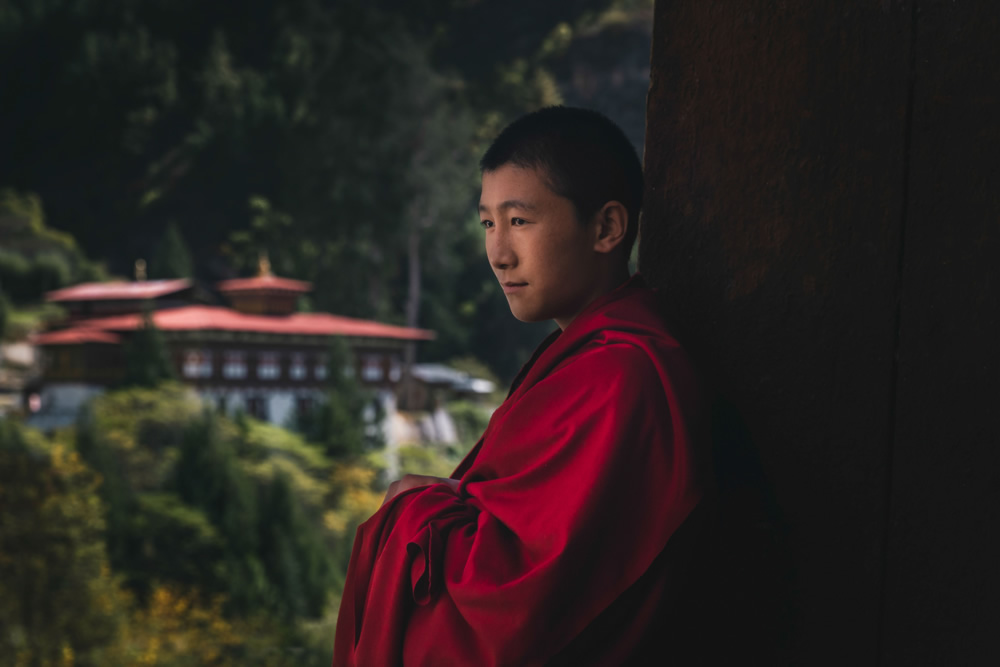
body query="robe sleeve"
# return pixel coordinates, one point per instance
(575, 492)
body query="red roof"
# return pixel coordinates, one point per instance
(263, 284)
(215, 318)
(119, 291)
(77, 336)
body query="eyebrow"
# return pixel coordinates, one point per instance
(511, 203)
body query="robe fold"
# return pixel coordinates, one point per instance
(550, 549)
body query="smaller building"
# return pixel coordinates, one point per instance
(437, 382)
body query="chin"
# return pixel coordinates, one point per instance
(524, 315)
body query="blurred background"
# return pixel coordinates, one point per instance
(242, 287)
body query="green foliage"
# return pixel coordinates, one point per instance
(113, 488)
(420, 460)
(296, 559)
(171, 258)
(470, 419)
(57, 596)
(229, 535)
(36, 259)
(147, 359)
(144, 428)
(268, 451)
(199, 503)
(29, 278)
(340, 376)
(14, 271)
(275, 558)
(339, 427)
(165, 539)
(209, 476)
(265, 442)
(24, 320)
(51, 271)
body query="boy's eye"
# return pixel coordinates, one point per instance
(486, 223)
(517, 221)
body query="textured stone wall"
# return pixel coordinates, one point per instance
(823, 217)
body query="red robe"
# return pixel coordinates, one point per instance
(569, 498)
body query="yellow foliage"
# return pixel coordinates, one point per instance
(356, 498)
(59, 603)
(177, 629)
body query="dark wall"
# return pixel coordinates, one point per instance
(823, 217)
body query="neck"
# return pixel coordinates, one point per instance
(619, 276)
(608, 283)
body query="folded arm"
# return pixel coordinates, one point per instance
(572, 496)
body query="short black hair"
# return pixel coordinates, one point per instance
(588, 160)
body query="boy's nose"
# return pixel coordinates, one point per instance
(499, 251)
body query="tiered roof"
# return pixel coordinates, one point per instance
(217, 318)
(265, 283)
(119, 290)
(211, 318)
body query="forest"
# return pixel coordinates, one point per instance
(341, 137)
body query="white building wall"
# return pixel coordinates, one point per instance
(281, 407)
(281, 403)
(61, 403)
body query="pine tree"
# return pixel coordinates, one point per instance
(298, 563)
(210, 478)
(113, 488)
(147, 359)
(341, 425)
(172, 258)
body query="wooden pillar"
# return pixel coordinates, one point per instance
(823, 217)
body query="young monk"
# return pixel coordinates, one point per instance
(547, 543)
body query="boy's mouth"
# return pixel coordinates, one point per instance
(511, 287)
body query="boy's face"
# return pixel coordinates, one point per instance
(542, 255)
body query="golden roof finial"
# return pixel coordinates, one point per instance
(140, 270)
(263, 265)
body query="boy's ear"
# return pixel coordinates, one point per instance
(612, 223)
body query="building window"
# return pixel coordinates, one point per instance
(320, 369)
(297, 369)
(257, 407)
(197, 364)
(268, 367)
(234, 366)
(371, 368)
(395, 369)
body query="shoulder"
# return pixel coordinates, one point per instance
(634, 366)
(613, 358)
(612, 368)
